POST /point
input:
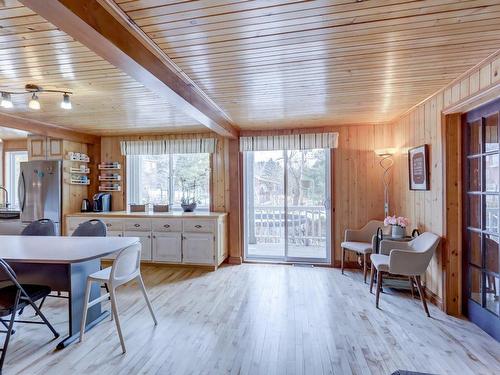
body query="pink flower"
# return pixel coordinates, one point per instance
(390, 220)
(399, 221)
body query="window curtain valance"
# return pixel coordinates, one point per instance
(289, 142)
(168, 146)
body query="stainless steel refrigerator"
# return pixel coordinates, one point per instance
(40, 184)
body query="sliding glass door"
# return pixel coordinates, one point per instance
(287, 200)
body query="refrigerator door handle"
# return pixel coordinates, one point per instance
(21, 191)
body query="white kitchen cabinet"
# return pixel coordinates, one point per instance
(167, 247)
(113, 233)
(168, 238)
(198, 248)
(145, 238)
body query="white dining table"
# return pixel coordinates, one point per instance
(63, 263)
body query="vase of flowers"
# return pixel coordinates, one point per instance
(398, 225)
(188, 200)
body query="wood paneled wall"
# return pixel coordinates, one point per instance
(425, 124)
(110, 151)
(357, 179)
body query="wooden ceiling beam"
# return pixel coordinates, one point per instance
(110, 34)
(46, 129)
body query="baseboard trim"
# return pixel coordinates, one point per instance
(234, 260)
(434, 298)
(347, 265)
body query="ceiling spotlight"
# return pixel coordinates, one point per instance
(6, 100)
(66, 103)
(34, 103)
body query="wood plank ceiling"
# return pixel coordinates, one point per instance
(277, 63)
(266, 63)
(105, 100)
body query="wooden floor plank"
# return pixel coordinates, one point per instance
(259, 319)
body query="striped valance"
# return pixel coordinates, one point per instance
(169, 146)
(289, 142)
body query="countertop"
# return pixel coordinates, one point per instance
(165, 215)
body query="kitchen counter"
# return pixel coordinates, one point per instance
(150, 214)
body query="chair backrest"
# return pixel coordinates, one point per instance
(126, 265)
(417, 261)
(42, 227)
(370, 229)
(91, 228)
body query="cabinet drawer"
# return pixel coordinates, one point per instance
(74, 222)
(137, 224)
(167, 225)
(199, 226)
(113, 225)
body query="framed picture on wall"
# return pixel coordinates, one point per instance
(418, 167)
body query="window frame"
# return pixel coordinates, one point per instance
(173, 205)
(9, 176)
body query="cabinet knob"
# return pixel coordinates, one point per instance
(137, 225)
(198, 226)
(108, 224)
(149, 236)
(154, 236)
(166, 226)
(119, 235)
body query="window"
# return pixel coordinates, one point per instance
(163, 178)
(12, 168)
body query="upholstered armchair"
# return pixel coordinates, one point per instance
(361, 241)
(409, 259)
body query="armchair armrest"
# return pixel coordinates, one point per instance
(408, 262)
(387, 245)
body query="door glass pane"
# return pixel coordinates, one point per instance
(491, 213)
(307, 193)
(265, 204)
(475, 248)
(491, 133)
(491, 290)
(474, 211)
(474, 138)
(491, 172)
(474, 177)
(475, 284)
(491, 252)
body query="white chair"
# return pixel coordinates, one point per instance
(360, 241)
(409, 259)
(125, 268)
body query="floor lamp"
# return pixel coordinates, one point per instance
(386, 162)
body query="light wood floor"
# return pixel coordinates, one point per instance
(260, 319)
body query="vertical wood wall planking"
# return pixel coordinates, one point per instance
(426, 209)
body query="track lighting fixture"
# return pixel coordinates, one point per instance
(66, 103)
(34, 103)
(6, 100)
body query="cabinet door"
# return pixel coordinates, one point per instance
(54, 149)
(37, 148)
(145, 238)
(198, 248)
(167, 247)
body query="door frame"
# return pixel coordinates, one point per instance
(329, 251)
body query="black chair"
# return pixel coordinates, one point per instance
(91, 228)
(14, 297)
(42, 227)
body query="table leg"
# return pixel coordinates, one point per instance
(78, 277)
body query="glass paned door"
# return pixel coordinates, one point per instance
(287, 201)
(482, 218)
(307, 202)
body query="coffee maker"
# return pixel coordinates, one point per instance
(102, 202)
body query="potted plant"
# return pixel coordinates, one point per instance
(188, 200)
(398, 225)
